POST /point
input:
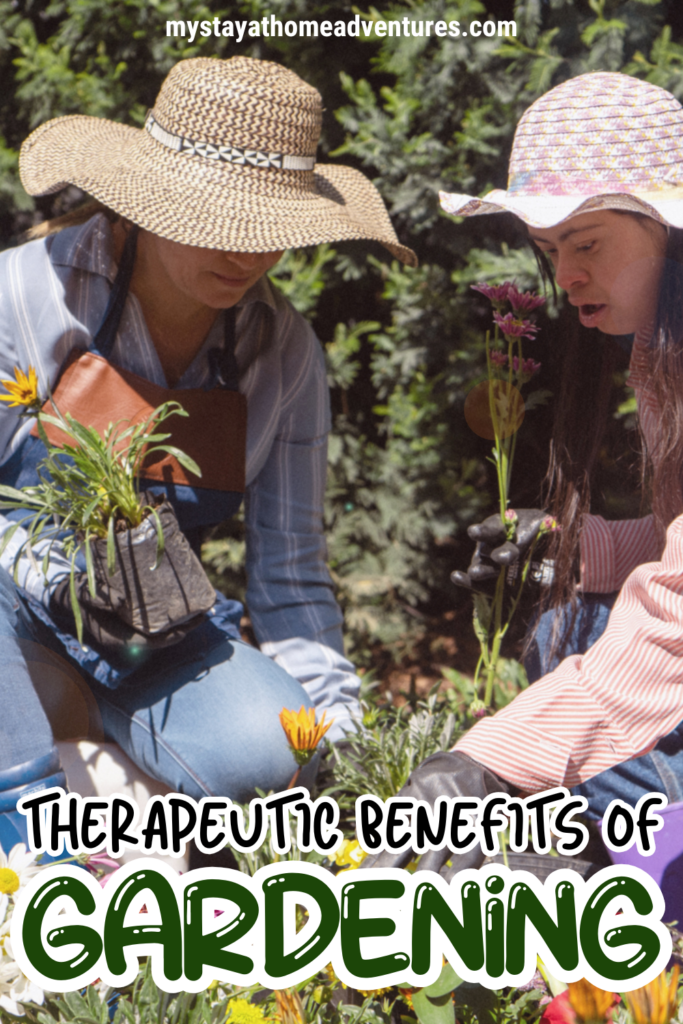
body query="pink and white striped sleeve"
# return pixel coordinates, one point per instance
(607, 706)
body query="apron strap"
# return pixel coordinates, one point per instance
(103, 342)
(223, 361)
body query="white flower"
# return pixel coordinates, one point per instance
(15, 871)
(15, 987)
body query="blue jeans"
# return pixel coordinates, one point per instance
(205, 724)
(660, 771)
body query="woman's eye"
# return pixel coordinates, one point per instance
(586, 247)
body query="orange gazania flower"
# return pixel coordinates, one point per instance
(656, 1002)
(288, 1006)
(590, 1004)
(302, 733)
(23, 390)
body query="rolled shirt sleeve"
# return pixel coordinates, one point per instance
(290, 598)
(607, 706)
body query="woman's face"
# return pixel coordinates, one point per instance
(208, 277)
(610, 264)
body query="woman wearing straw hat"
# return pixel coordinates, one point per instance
(596, 174)
(163, 280)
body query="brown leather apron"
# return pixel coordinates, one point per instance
(96, 393)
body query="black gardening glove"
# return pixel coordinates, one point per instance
(494, 551)
(103, 625)
(452, 774)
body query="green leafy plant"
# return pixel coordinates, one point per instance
(89, 484)
(390, 743)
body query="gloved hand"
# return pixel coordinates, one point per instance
(453, 774)
(103, 625)
(494, 551)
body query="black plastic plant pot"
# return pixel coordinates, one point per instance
(153, 600)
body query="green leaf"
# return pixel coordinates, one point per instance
(90, 569)
(111, 547)
(438, 1010)
(17, 496)
(75, 606)
(447, 982)
(160, 537)
(185, 461)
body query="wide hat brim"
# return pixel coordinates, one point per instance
(199, 201)
(546, 210)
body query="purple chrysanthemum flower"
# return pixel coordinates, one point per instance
(499, 359)
(529, 366)
(495, 293)
(512, 327)
(524, 302)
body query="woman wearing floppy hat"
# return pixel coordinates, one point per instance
(594, 174)
(161, 285)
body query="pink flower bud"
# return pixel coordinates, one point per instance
(529, 366)
(550, 525)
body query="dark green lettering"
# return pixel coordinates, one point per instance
(561, 938)
(466, 937)
(354, 928)
(647, 940)
(209, 949)
(88, 938)
(278, 964)
(168, 934)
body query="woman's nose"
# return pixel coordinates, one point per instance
(569, 272)
(245, 260)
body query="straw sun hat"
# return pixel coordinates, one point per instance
(599, 141)
(226, 160)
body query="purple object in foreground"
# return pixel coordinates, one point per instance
(665, 865)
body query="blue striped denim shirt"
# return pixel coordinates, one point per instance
(53, 293)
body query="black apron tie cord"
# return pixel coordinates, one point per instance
(103, 342)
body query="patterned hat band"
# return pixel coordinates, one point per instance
(226, 154)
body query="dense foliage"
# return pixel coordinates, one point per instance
(417, 114)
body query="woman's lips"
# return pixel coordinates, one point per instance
(592, 314)
(231, 282)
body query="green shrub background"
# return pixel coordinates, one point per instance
(403, 346)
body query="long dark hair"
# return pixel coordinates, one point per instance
(581, 413)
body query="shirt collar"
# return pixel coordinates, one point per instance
(88, 247)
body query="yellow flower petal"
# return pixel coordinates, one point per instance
(588, 1002)
(300, 729)
(23, 390)
(656, 1002)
